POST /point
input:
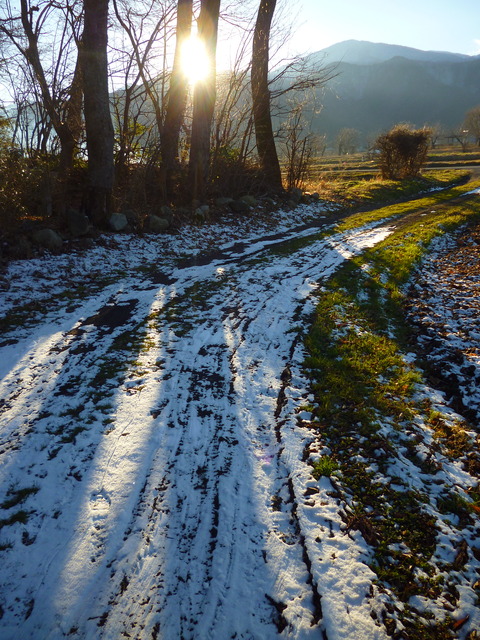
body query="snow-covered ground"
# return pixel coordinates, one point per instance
(153, 481)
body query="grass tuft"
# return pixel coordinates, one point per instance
(17, 517)
(18, 496)
(325, 466)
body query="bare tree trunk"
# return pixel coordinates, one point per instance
(73, 125)
(204, 101)
(266, 149)
(176, 98)
(98, 121)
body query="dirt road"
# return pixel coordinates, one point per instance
(153, 481)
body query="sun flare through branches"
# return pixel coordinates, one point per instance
(195, 61)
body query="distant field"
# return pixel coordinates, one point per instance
(355, 177)
(447, 156)
(440, 157)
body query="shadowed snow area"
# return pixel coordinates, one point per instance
(151, 465)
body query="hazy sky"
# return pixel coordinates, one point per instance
(442, 25)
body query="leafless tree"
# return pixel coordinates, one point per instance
(98, 121)
(233, 121)
(261, 101)
(347, 141)
(146, 26)
(299, 145)
(137, 72)
(472, 123)
(436, 132)
(44, 34)
(176, 98)
(204, 101)
(460, 135)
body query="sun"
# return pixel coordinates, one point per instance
(195, 62)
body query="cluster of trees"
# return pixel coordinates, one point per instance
(464, 135)
(99, 83)
(102, 112)
(348, 140)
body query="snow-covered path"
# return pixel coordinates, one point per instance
(152, 474)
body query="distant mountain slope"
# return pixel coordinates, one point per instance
(379, 85)
(362, 52)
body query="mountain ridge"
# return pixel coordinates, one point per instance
(377, 86)
(365, 52)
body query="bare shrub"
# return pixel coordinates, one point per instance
(403, 152)
(298, 146)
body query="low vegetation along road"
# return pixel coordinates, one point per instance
(158, 461)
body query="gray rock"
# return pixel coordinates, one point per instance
(154, 224)
(239, 206)
(48, 239)
(223, 202)
(270, 202)
(166, 213)
(201, 213)
(118, 222)
(249, 200)
(134, 220)
(315, 196)
(132, 216)
(78, 223)
(296, 195)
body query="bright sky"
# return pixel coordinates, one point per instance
(441, 25)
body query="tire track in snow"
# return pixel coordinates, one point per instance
(208, 545)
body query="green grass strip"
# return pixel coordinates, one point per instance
(403, 208)
(370, 421)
